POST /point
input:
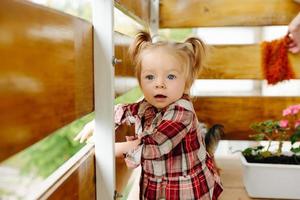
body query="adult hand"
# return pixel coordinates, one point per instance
(294, 35)
(86, 133)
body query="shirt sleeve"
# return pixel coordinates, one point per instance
(125, 113)
(174, 126)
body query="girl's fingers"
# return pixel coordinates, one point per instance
(130, 164)
(86, 132)
(78, 136)
(130, 138)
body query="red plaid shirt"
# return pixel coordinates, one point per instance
(175, 164)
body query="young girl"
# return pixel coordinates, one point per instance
(170, 146)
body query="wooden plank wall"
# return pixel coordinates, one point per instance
(237, 113)
(218, 13)
(79, 184)
(239, 62)
(46, 74)
(46, 82)
(138, 10)
(125, 68)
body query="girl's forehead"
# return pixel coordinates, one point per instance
(160, 60)
(159, 54)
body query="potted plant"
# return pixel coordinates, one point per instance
(269, 171)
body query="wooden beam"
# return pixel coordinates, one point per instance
(224, 62)
(203, 13)
(237, 113)
(239, 62)
(233, 62)
(127, 25)
(138, 9)
(79, 184)
(46, 74)
(125, 68)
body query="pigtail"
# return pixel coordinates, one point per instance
(199, 51)
(142, 38)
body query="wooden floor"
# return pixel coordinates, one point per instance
(231, 176)
(228, 159)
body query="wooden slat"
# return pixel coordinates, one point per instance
(125, 68)
(204, 13)
(79, 185)
(138, 9)
(237, 113)
(126, 25)
(239, 62)
(46, 73)
(245, 64)
(123, 173)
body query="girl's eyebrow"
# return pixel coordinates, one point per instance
(147, 71)
(174, 70)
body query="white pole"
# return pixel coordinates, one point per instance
(154, 19)
(104, 136)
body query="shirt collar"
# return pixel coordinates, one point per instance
(148, 110)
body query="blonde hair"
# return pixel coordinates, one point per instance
(191, 53)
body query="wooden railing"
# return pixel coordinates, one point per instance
(46, 74)
(46, 82)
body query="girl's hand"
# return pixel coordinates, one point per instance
(86, 133)
(130, 138)
(130, 164)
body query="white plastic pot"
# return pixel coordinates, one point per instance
(271, 180)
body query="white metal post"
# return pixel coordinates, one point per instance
(154, 19)
(104, 136)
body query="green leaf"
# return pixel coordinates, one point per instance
(295, 150)
(257, 137)
(258, 148)
(266, 154)
(295, 137)
(247, 151)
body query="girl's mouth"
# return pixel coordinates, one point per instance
(160, 96)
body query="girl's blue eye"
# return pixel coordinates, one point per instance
(149, 77)
(171, 76)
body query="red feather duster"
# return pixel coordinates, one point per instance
(275, 61)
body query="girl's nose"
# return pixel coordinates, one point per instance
(160, 85)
